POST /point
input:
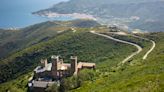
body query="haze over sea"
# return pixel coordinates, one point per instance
(17, 13)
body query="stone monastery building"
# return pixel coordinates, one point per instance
(46, 74)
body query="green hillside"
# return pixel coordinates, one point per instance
(88, 47)
(143, 76)
(15, 40)
(136, 75)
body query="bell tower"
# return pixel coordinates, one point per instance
(55, 66)
(73, 65)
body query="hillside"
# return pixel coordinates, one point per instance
(120, 12)
(136, 74)
(82, 43)
(15, 40)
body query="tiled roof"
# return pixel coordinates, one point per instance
(42, 84)
(66, 64)
(63, 66)
(85, 64)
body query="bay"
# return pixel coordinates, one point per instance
(18, 13)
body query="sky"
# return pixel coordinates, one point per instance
(36, 4)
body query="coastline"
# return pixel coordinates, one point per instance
(72, 15)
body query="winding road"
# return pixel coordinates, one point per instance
(151, 49)
(137, 46)
(122, 41)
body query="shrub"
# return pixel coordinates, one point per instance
(53, 88)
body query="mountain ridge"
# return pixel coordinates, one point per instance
(14, 40)
(117, 12)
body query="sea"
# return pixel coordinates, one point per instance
(18, 13)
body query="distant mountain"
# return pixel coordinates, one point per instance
(128, 12)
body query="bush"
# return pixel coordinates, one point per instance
(86, 75)
(53, 88)
(69, 84)
(76, 81)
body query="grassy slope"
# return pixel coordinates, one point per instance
(145, 76)
(146, 45)
(15, 40)
(88, 47)
(137, 75)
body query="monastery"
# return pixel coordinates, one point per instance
(49, 73)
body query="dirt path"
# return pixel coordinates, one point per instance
(122, 41)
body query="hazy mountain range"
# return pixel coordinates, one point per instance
(139, 14)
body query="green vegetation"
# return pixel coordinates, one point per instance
(76, 81)
(137, 75)
(17, 85)
(15, 40)
(145, 44)
(145, 76)
(53, 88)
(73, 82)
(88, 47)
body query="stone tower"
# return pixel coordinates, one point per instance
(44, 62)
(55, 66)
(73, 65)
